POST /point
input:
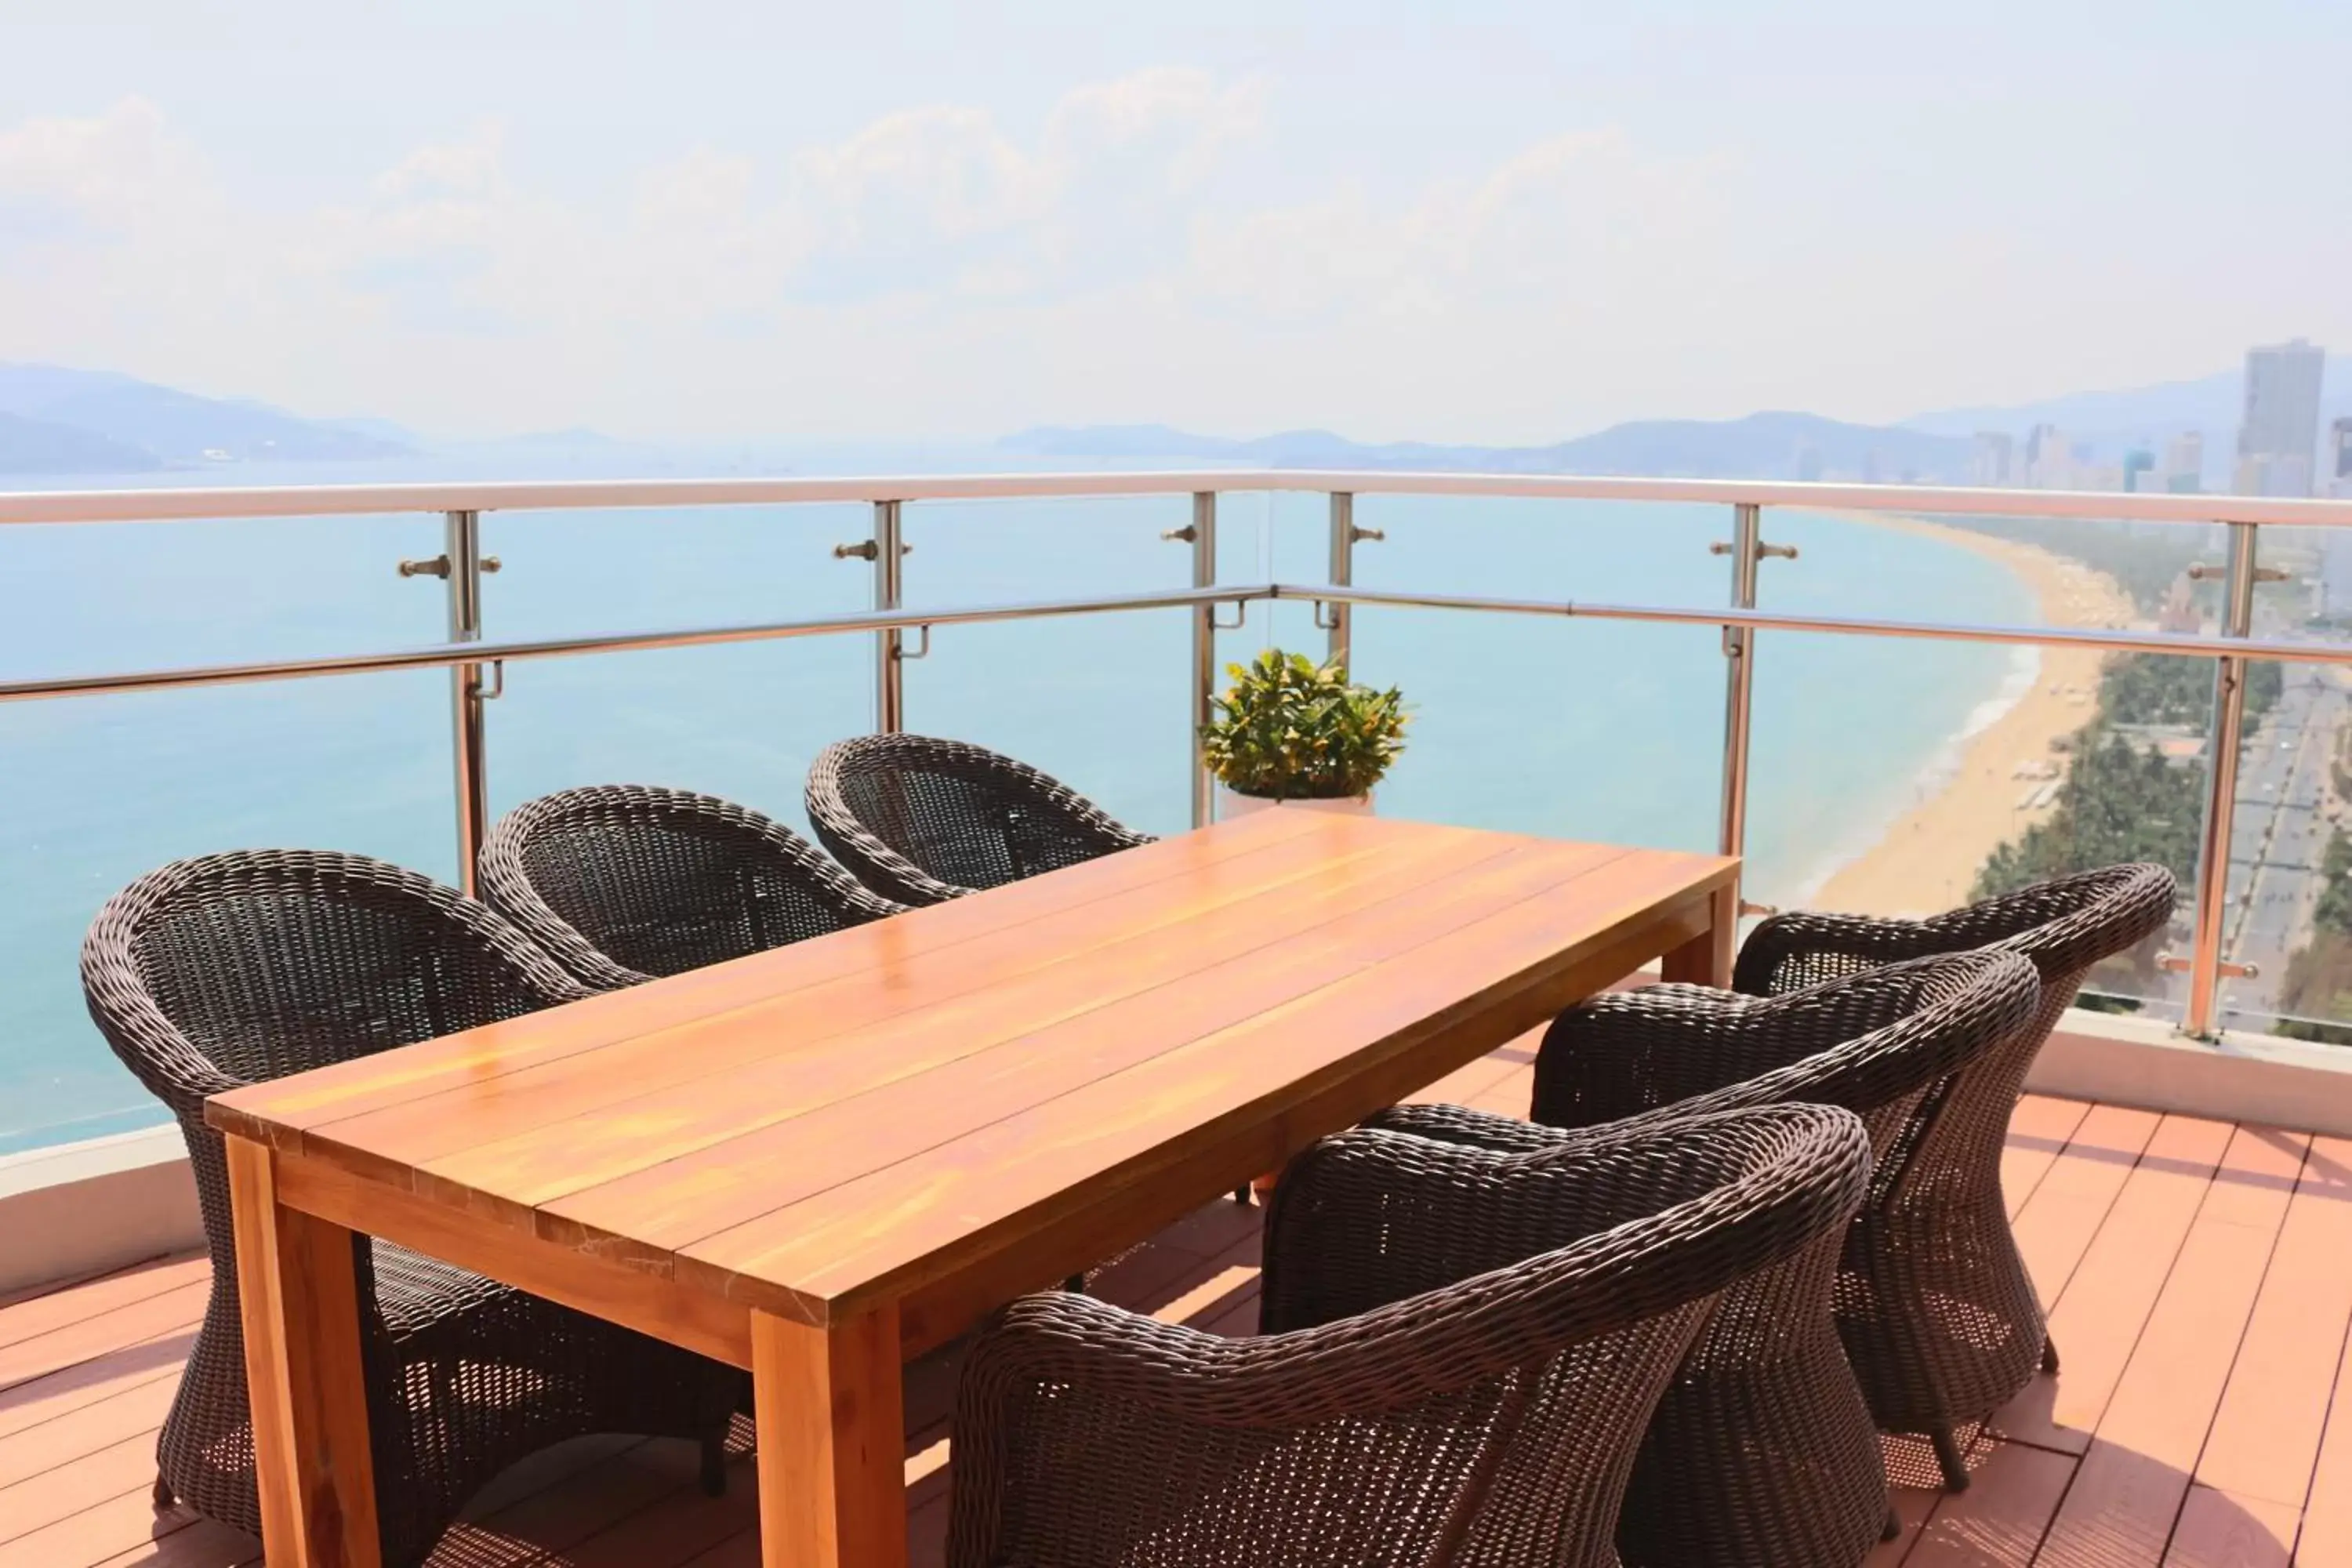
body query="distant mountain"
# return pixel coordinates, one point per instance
(169, 428)
(2208, 403)
(575, 438)
(1761, 445)
(388, 430)
(37, 447)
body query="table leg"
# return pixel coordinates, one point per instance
(833, 1478)
(298, 1290)
(1706, 959)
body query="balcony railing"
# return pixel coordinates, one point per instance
(477, 663)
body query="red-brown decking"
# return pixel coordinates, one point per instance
(2201, 1274)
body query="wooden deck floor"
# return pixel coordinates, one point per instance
(2200, 1276)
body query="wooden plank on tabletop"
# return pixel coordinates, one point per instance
(922, 1104)
(354, 1087)
(623, 1093)
(803, 1067)
(1249, 1093)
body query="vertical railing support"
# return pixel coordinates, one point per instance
(1204, 647)
(1739, 679)
(890, 671)
(1339, 619)
(464, 558)
(2237, 620)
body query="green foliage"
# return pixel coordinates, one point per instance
(2165, 688)
(2319, 976)
(2334, 912)
(1288, 728)
(2118, 804)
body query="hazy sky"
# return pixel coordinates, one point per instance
(703, 217)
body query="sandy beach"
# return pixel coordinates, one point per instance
(2006, 774)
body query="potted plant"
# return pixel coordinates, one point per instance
(1289, 732)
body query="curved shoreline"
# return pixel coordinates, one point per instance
(1926, 860)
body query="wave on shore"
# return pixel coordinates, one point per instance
(1937, 776)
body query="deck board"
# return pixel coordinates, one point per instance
(2200, 1277)
(2133, 1477)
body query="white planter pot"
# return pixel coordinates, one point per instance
(1230, 806)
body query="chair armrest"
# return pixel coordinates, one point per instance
(144, 1038)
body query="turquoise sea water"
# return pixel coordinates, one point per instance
(1576, 729)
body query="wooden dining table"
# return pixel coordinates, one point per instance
(819, 1161)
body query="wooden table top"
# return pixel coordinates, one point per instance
(845, 1119)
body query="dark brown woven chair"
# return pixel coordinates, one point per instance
(1938, 1312)
(1463, 1348)
(922, 820)
(624, 882)
(214, 973)
(1762, 1450)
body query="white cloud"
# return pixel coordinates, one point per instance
(930, 269)
(1574, 225)
(933, 270)
(112, 170)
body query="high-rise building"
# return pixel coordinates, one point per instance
(2339, 467)
(2049, 458)
(2184, 463)
(2279, 437)
(2139, 470)
(1990, 463)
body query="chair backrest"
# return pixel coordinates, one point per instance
(1492, 1418)
(922, 820)
(2065, 926)
(624, 882)
(1873, 1043)
(231, 969)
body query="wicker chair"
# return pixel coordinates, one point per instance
(1938, 1312)
(1762, 1450)
(214, 972)
(923, 820)
(1463, 1348)
(624, 882)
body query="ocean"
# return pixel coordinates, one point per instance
(1592, 729)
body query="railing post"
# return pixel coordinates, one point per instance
(2221, 788)
(464, 540)
(1341, 618)
(1739, 682)
(890, 671)
(1204, 647)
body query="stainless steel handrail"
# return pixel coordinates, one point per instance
(468, 656)
(2185, 644)
(436, 655)
(30, 507)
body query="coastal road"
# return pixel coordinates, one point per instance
(2278, 836)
